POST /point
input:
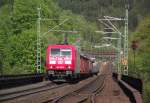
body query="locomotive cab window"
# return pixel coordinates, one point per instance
(55, 52)
(65, 52)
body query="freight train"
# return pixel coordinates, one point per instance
(67, 63)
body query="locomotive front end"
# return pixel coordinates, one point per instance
(60, 61)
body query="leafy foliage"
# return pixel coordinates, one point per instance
(92, 9)
(142, 60)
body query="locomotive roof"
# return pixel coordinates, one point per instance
(59, 45)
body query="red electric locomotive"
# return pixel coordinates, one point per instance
(65, 62)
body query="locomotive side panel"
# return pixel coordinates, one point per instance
(77, 62)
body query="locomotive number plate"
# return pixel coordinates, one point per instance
(60, 62)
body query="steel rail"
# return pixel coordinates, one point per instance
(82, 94)
(27, 92)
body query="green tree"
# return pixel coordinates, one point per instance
(143, 54)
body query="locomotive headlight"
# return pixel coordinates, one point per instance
(68, 72)
(67, 62)
(52, 62)
(50, 72)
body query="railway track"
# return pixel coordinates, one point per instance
(82, 94)
(85, 93)
(93, 96)
(25, 92)
(46, 95)
(97, 89)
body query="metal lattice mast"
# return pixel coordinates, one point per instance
(38, 61)
(126, 42)
(107, 21)
(119, 54)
